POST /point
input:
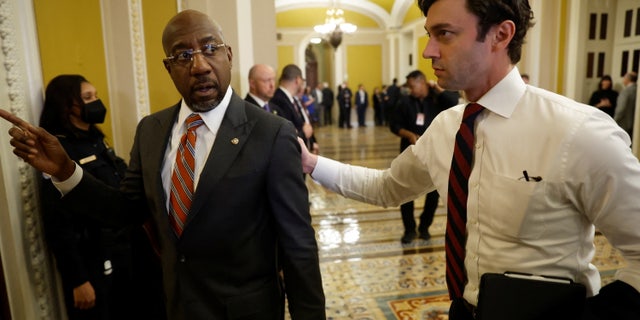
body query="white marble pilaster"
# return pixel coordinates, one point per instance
(123, 34)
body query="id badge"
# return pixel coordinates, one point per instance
(420, 119)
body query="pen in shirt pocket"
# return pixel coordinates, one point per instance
(527, 177)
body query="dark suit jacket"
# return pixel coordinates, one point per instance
(275, 109)
(289, 112)
(359, 104)
(250, 201)
(344, 98)
(327, 97)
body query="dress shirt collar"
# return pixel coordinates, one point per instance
(211, 118)
(289, 95)
(260, 102)
(504, 96)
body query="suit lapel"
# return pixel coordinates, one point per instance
(230, 139)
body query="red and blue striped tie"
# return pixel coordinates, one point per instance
(456, 233)
(182, 177)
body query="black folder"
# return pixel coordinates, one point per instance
(518, 296)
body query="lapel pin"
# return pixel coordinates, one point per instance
(235, 141)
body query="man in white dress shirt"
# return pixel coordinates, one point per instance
(546, 170)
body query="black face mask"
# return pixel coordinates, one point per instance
(94, 112)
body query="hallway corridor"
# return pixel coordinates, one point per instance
(367, 273)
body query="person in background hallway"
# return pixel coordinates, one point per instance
(605, 97)
(362, 103)
(378, 111)
(533, 205)
(223, 261)
(344, 103)
(525, 78)
(262, 86)
(327, 102)
(309, 104)
(319, 103)
(392, 94)
(286, 96)
(625, 111)
(96, 263)
(412, 116)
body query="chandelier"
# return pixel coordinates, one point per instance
(334, 26)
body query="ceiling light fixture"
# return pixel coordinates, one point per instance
(335, 26)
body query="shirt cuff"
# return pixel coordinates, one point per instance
(67, 185)
(326, 171)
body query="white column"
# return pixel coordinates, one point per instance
(574, 59)
(635, 140)
(393, 44)
(123, 34)
(340, 69)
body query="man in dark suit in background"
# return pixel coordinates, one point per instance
(362, 102)
(344, 103)
(286, 97)
(252, 206)
(391, 99)
(327, 102)
(262, 86)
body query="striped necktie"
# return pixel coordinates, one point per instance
(182, 178)
(456, 233)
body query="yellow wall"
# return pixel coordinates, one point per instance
(285, 57)
(562, 48)
(364, 66)
(413, 13)
(423, 64)
(70, 40)
(162, 92)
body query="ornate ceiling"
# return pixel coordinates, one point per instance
(382, 14)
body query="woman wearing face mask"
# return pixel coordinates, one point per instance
(94, 261)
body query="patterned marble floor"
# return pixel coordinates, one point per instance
(367, 273)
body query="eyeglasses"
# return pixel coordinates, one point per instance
(185, 57)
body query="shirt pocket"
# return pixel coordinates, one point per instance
(514, 208)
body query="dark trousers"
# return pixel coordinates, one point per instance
(327, 115)
(426, 218)
(345, 117)
(378, 115)
(361, 110)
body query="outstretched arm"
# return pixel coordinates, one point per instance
(38, 148)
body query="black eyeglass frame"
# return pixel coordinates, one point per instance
(179, 58)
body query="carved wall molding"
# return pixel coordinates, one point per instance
(139, 58)
(36, 255)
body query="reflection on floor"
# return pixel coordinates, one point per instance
(367, 273)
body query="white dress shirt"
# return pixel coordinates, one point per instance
(206, 135)
(259, 101)
(589, 177)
